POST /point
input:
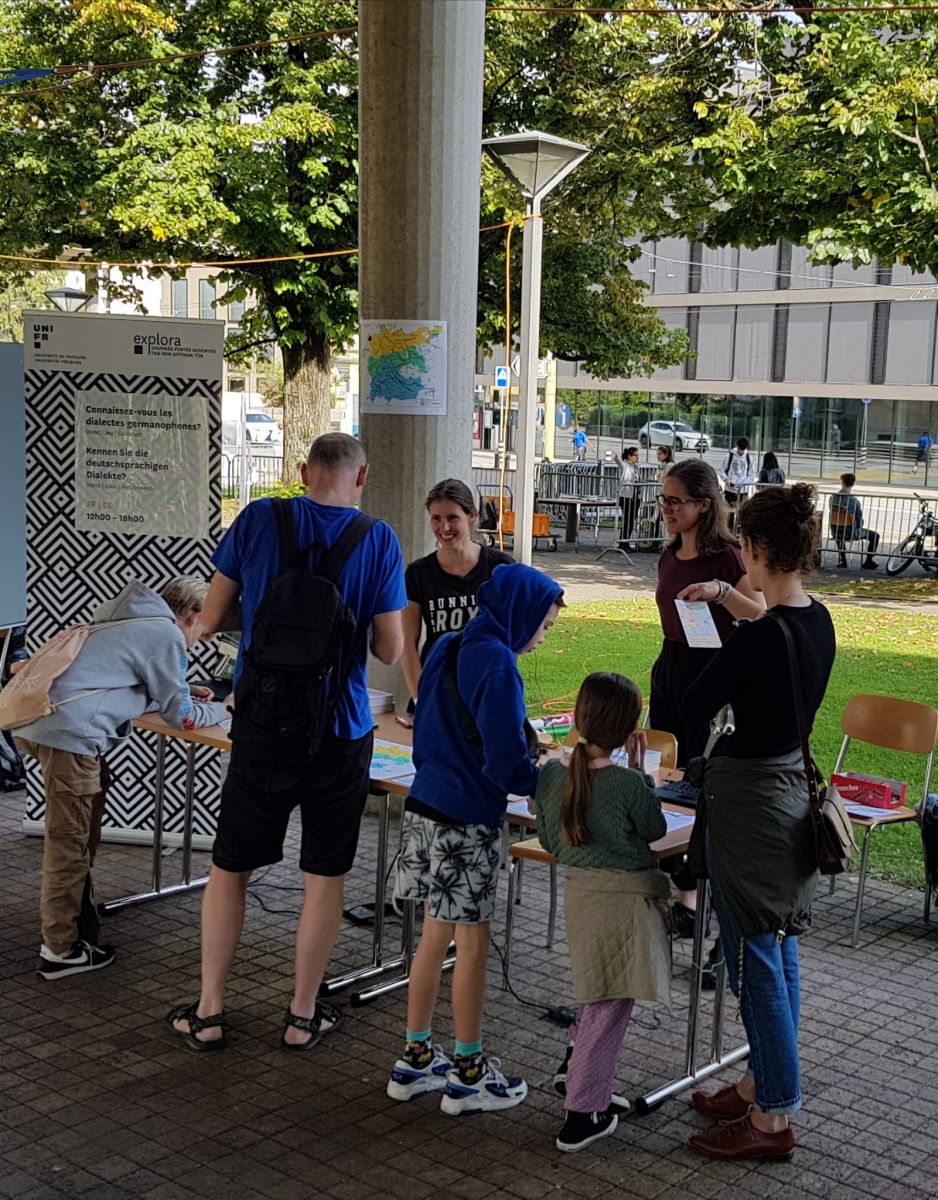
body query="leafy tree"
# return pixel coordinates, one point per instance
(19, 292)
(830, 139)
(249, 155)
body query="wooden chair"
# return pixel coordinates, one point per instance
(841, 527)
(903, 725)
(530, 850)
(658, 739)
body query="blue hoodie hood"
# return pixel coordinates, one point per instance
(456, 779)
(512, 605)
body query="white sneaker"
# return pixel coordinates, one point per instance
(491, 1091)
(83, 956)
(408, 1081)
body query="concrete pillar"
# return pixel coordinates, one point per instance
(420, 126)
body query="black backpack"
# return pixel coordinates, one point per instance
(303, 644)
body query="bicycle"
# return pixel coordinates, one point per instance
(912, 549)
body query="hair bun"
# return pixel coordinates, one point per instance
(803, 500)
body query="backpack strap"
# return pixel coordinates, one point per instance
(331, 564)
(286, 534)
(467, 725)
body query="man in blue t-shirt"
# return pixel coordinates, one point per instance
(580, 442)
(331, 787)
(925, 443)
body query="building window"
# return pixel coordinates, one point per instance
(693, 273)
(235, 383)
(180, 297)
(783, 278)
(693, 335)
(880, 342)
(207, 300)
(779, 340)
(236, 311)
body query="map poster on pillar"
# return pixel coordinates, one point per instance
(141, 464)
(404, 367)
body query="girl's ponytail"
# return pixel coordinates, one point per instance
(578, 790)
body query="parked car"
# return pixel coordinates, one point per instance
(261, 427)
(672, 433)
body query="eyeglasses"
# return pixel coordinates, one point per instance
(673, 501)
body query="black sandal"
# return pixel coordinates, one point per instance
(187, 1012)
(326, 1019)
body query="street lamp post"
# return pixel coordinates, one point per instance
(537, 163)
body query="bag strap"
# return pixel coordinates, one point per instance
(467, 725)
(286, 534)
(332, 562)
(809, 765)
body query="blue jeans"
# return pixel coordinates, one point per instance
(769, 1004)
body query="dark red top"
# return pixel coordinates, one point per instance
(675, 574)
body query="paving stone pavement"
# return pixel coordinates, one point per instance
(97, 1100)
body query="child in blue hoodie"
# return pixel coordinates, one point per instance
(470, 752)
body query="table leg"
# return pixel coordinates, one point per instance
(378, 964)
(694, 1073)
(573, 523)
(188, 884)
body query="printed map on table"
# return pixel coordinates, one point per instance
(405, 367)
(391, 761)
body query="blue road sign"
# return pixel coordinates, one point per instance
(501, 377)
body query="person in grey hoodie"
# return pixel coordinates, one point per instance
(135, 664)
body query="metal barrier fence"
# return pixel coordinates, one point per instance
(907, 525)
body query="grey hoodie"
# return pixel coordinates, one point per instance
(140, 665)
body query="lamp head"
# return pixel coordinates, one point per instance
(535, 161)
(68, 299)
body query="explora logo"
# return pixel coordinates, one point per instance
(155, 339)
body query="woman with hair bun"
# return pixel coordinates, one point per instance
(760, 843)
(441, 588)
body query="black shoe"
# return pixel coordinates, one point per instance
(843, 563)
(870, 565)
(83, 956)
(683, 920)
(580, 1129)
(618, 1106)
(708, 976)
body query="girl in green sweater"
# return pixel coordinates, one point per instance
(599, 821)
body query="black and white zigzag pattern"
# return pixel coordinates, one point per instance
(70, 572)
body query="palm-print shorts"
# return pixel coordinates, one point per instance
(453, 868)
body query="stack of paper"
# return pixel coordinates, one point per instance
(381, 702)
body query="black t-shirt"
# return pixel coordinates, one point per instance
(752, 674)
(447, 602)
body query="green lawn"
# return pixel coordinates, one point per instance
(883, 651)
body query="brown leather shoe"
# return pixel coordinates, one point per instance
(732, 1140)
(727, 1102)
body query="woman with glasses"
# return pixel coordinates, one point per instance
(701, 549)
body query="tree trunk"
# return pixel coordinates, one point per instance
(307, 401)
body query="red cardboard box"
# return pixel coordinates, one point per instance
(872, 790)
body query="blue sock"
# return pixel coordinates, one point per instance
(468, 1049)
(415, 1036)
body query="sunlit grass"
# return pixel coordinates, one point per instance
(884, 651)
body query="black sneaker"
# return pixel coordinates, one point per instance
(619, 1105)
(580, 1129)
(683, 920)
(83, 956)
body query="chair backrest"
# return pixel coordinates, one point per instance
(893, 724)
(658, 739)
